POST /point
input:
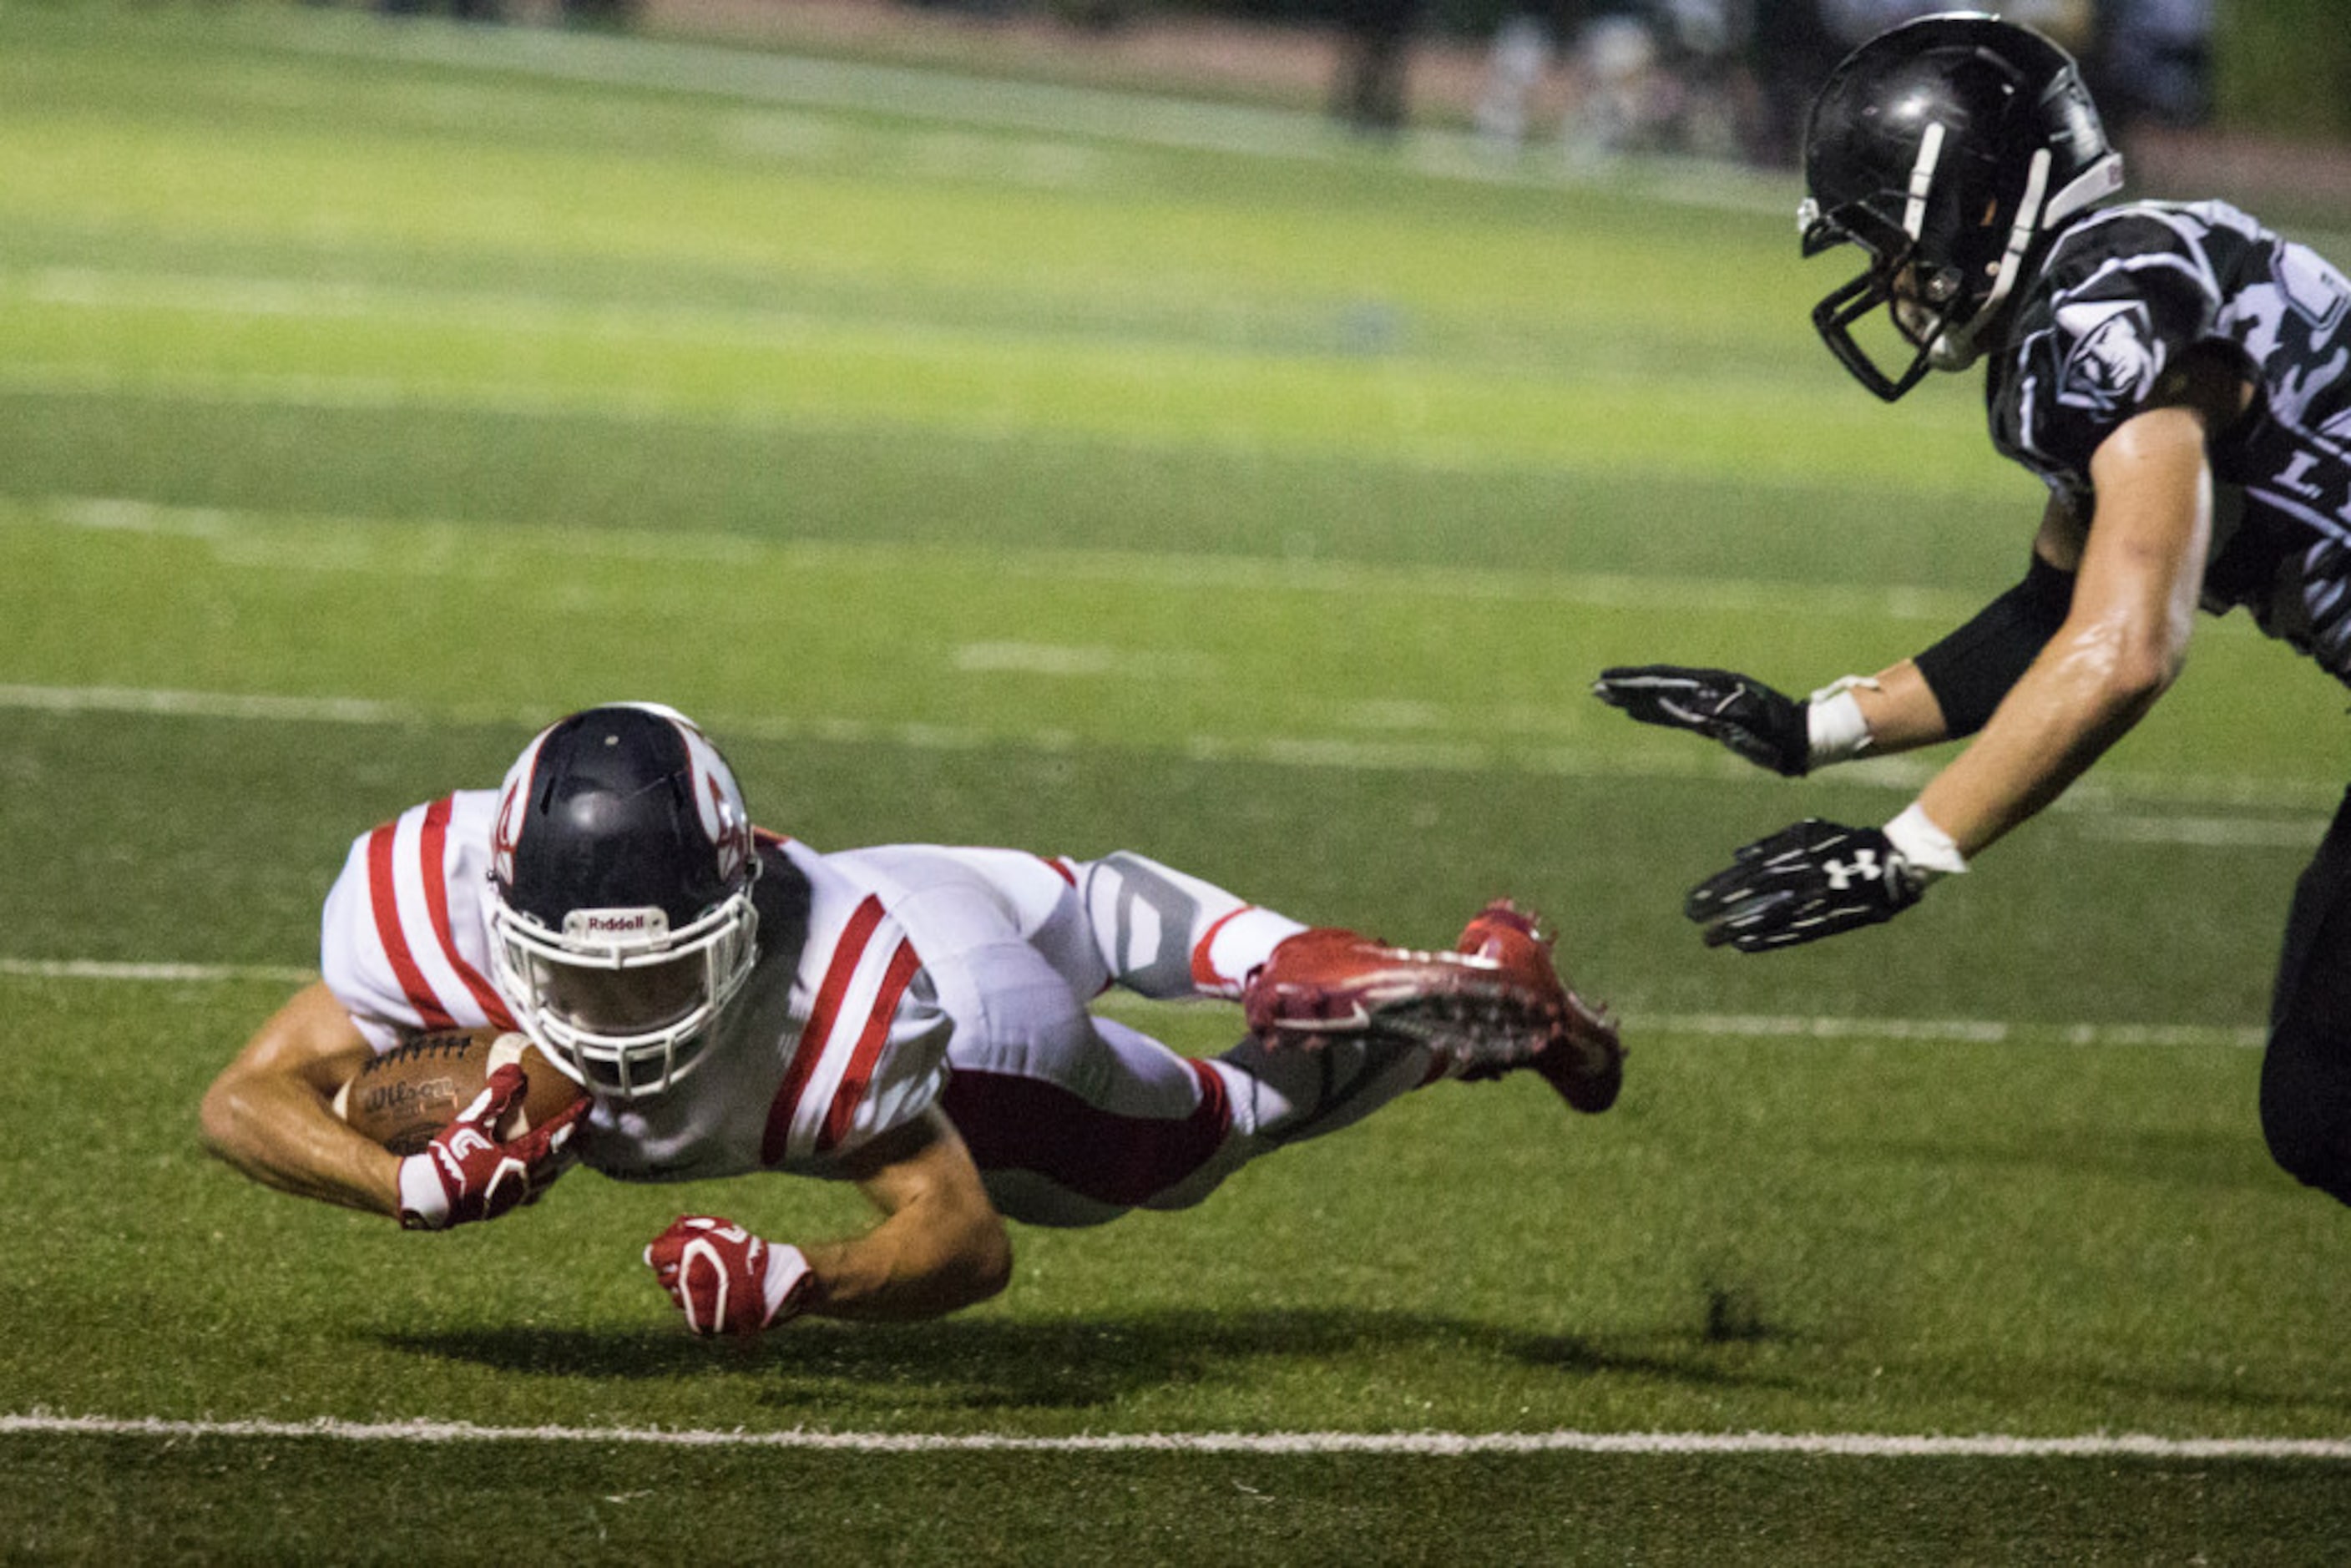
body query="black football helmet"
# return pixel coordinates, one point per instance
(1947, 147)
(620, 895)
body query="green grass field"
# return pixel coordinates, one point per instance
(1009, 465)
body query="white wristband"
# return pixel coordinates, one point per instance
(1834, 726)
(424, 1201)
(788, 1266)
(1931, 851)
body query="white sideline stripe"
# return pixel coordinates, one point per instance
(204, 704)
(2212, 832)
(162, 974)
(1953, 1031)
(1142, 1012)
(1714, 1026)
(1853, 1444)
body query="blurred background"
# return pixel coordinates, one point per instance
(2237, 91)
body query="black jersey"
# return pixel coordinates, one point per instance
(2124, 294)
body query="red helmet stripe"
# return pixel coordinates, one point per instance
(433, 844)
(904, 962)
(818, 1029)
(384, 893)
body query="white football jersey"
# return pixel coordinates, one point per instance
(838, 1035)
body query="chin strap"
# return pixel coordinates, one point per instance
(1959, 346)
(1956, 350)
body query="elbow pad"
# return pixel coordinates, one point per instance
(1970, 670)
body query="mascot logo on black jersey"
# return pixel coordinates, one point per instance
(2115, 358)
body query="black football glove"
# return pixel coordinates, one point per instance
(1767, 728)
(1803, 883)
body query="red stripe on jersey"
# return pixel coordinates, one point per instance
(384, 894)
(437, 903)
(843, 1109)
(813, 1033)
(1204, 973)
(1060, 868)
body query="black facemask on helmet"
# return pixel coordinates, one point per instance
(1948, 149)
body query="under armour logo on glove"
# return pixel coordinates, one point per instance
(1803, 883)
(1864, 867)
(465, 1173)
(725, 1280)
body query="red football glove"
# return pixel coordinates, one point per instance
(725, 1280)
(465, 1173)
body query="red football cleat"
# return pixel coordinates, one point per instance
(1494, 1002)
(1582, 1057)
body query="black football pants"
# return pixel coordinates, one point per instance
(2306, 1074)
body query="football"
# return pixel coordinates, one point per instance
(402, 1097)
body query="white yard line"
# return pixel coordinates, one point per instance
(1849, 1445)
(1951, 1031)
(204, 704)
(152, 974)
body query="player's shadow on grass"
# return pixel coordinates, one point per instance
(980, 1363)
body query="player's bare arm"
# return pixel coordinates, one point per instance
(2123, 642)
(268, 1112)
(1899, 710)
(940, 1246)
(1899, 704)
(2131, 582)
(1893, 711)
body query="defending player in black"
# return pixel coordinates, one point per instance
(2176, 375)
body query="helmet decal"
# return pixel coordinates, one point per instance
(507, 827)
(718, 799)
(1922, 178)
(731, 831)
(505, 831)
